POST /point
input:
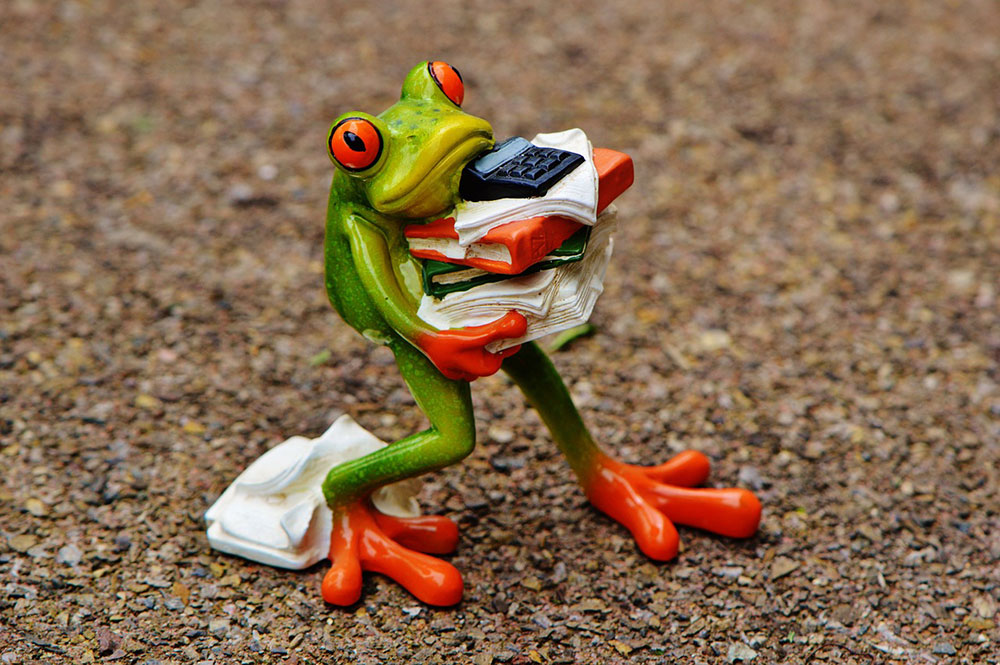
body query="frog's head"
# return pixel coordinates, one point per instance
(408, 160)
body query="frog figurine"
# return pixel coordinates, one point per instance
(400, 168)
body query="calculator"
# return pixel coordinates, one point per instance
(515, 168)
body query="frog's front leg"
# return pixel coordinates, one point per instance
(363, 538)
(647, 500)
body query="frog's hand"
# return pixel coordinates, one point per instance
(462, 354)
(457, 354)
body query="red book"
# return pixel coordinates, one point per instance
(512, 248)
(615, 174)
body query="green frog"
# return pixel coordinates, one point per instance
(403, 167)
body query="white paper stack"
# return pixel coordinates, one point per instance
(274, 512)
(551, 300)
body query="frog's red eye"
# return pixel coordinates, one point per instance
(448, 79)
(355, 143)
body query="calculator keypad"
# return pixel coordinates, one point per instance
(532, 171)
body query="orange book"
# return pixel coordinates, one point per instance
(615, 174)
(512, 248)
(509, 249)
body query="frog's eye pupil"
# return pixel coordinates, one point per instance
(355, 144)
(448, 80)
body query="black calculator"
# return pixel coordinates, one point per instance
(515, 168)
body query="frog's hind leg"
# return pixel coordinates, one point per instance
(647, 500)
(363, 538)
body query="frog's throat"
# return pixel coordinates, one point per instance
(430, 184)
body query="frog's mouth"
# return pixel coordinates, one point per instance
(427, 181)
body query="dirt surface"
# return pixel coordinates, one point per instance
(805, 288)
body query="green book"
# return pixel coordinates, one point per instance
(441, 278)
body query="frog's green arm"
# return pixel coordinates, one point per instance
(373, 262)
(458, 353)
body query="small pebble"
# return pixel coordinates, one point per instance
(503, 463)
(240, 193)
(944, 649)
(36, 507)
(740, 652)
(500, 434)
(751, 477)
(69, 555)
(22, 542)
(218, 627)
(782, 566)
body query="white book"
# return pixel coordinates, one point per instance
(453, 250)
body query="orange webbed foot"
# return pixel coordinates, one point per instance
(365, 539)
(649, 500)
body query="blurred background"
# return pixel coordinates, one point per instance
(804, 287)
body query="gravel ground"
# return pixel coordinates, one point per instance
(805, 288)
